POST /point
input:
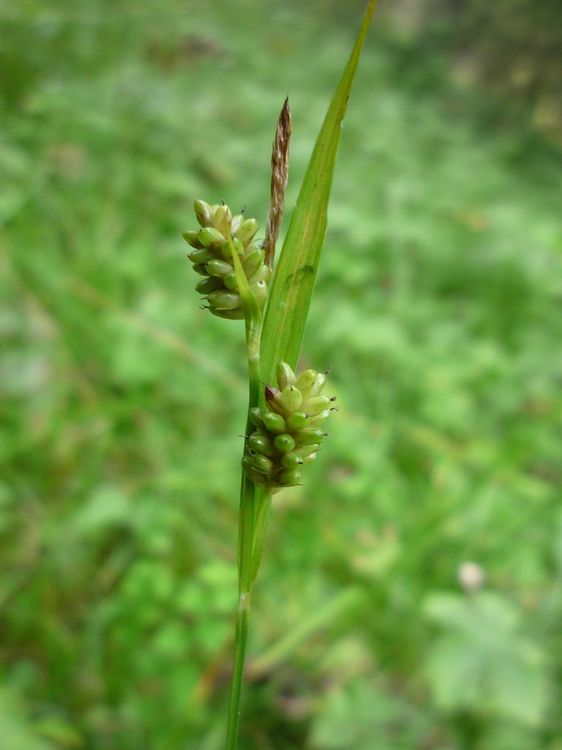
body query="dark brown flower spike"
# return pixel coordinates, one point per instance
(279, 178)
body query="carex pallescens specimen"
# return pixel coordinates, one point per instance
(220, 235)
(287, 429)
(284, 424)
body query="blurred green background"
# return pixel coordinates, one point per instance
(437, 306)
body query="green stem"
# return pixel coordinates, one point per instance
(261, 520)
(252, 520)
(241, 639)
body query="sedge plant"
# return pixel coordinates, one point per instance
(287, 411)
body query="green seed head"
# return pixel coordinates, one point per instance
(274, 422)
(284, 443)
(224, 300)
(288, 432)
(230, 282)
(297, 420)
(305, 380)
(290, 478)
(220, 235)
(256, 476)
(246, 231)
(319, 418)
(226, 252)
(203, 212)
(237, 314)
(255, 416)
(307, 450)
(218, 267)
(252, 262)
(208, 285)
(192, 238)
(235, 223)
(291, 398)
(200, 268)
(210, 236)
(318, 384)
(317, 404)
(263, 273)
(285, 375)
(202, 255)
(261, 444)
(222, 219)
(260, 292)
(310, 458)
(310, 436)
(262, 463)
(291, 460)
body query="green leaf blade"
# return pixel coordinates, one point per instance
(295, 275)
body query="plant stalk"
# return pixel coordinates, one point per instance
(254, 513)
(240, 642)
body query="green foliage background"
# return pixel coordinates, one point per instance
(438, 307)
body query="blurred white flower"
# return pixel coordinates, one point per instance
(471, 576)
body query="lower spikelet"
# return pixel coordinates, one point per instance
(288, 429)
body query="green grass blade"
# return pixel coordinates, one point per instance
(295, 274)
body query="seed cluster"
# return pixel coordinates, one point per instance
(212, 258)
(288, 429)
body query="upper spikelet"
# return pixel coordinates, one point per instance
(220, 234)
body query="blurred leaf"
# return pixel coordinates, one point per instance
(105, 508)
(135, 359)
(481, 661)
(16, 732)
(363, 715)
(60, 732)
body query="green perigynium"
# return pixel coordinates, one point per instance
(220, 235)
(288, 429)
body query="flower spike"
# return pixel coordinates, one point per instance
(288, 428)
(220, 235)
